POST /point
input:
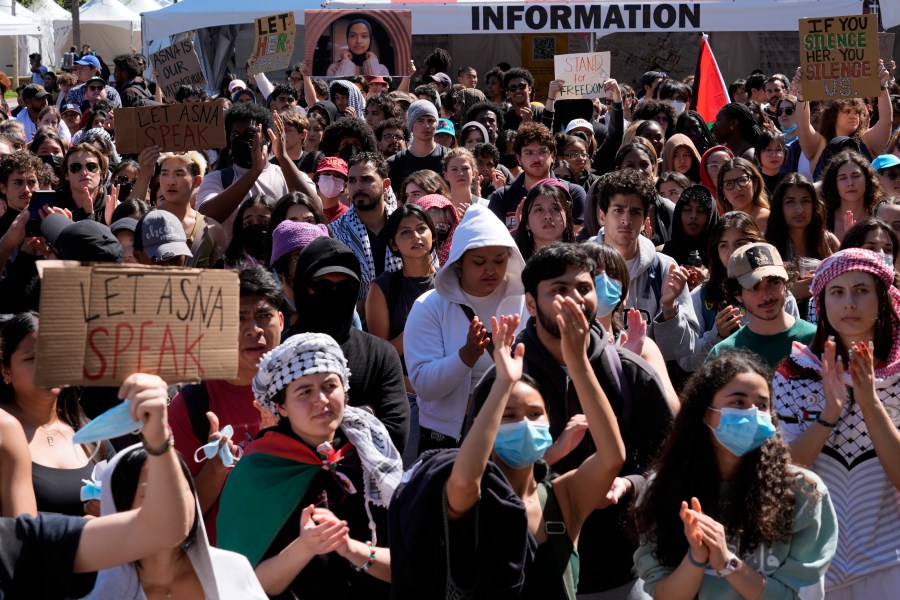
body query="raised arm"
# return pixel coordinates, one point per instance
(811, 141)
(220, 206)
(876, 137)
(464, 484)
(165, 518)
(586, 486)
(16, 491)
(293, 177)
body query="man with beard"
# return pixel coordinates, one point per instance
(362, 226)
(563, 271)
(535, 150)
(326, 282)
(759, 282)
(658, 285)
(391, 135)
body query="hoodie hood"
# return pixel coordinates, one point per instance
(326, 313)
(356, 98)
(479, 228)
(680, 245)
(329, 107)
(122, 581)
(704, 178)
(672, 144)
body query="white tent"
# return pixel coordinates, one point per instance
(107, 25)
(142, 6)
(28, 42)
(10, 25)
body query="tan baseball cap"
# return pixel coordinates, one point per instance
(752, 263)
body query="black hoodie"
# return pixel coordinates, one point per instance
(376, 377)
(680, 245)
(329, 107)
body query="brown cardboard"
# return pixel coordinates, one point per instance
(839, 57)
(175, 66)
(886, 46)
(101, 323)
(274, 45)
(172, 127)
(583, 75)
(325, 35)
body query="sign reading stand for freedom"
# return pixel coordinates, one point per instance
(583, 74)
(274, 43)
(101, 323)
(839, 57)
(172, 127)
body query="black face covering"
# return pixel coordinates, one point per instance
(54, 161)
(242, 150)
(348, 152)
(509, 161)
(258, 241)
(334, 303)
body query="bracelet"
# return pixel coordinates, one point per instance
(824, 423)
(369, 562)
(170, 441)
(666, 313)
(694, 561)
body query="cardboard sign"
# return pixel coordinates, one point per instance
(100, 324)
(885, 46)
(839, 57)
(175, 66)
(344, 43)
(584, 74)
(274, 43)
(172, 127)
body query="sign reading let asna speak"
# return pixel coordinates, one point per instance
(100, 324)
(583, 75)
(839, 57)
(172, 127)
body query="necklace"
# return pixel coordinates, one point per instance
(166, 589)
(49, 433)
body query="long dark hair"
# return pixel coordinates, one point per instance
(234, 251)
(832, 197)
(760, 197)
(524, 237)
(714, 291)
(68, 405)
(284, 204)
(403, 211)
(758, 505)
(680, 245)
(778, 232)
(610, 261)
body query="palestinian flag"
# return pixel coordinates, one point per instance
(710, 91)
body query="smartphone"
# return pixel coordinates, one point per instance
(39, 200)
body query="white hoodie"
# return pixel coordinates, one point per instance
(437, 327)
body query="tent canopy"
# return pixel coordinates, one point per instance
(107, 25)
(142, 6)
(10, 25)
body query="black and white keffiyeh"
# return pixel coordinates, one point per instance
(299, 355)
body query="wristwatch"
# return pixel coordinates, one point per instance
(732, 564)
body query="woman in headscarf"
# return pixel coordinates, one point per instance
(347, 98)
(357, 58)
(311, 488)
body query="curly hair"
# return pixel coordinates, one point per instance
(518, 73)
(714, 290)
(625, 181)
(18, 162)
(388, 105)
(248, 111)
(347, 127)
(873, 194)
(650, 108)
(747, 124)
(758, 505)
(529, 133)
(828, 121)
(524, 237)
(778, 232)
(760, 196)
(480, 107)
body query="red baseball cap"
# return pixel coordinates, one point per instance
(332, 163)
(376, 79)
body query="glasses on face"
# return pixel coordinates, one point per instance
(742, 182)
(75, 167)
(784, 111)
(121, 179)
(574, 155)
(775, 152)
(94, 88)
(517, 87)
(392, 137)
(543, 153)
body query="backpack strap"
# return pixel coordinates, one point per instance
(227, 175)
(558, 536)
(615, 362)
(196, 399)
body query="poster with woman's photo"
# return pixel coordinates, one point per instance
(344, 43)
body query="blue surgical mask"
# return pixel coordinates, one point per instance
(212, 448)
(743, 430)
(886, 258)
(523, 443)
(609, 294)
(789, 130)
(112, 424)
(679, 105)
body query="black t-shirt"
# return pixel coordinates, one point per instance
(405, 163)
(378, 243)
(37, 556)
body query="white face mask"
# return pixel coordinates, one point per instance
(330, 186)
(679, 106)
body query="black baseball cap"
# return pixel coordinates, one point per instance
(85, 241)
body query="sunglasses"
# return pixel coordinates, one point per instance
(75, 167)
(517, 87)
(784, 111)
(121, 179)
(94, 88)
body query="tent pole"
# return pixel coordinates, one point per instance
(15, 68)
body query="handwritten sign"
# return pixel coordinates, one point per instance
(177, 65)
(175, 127)
(839, 57)
(274, 43)
(886, 46)
(100, 324)
(584, 74)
